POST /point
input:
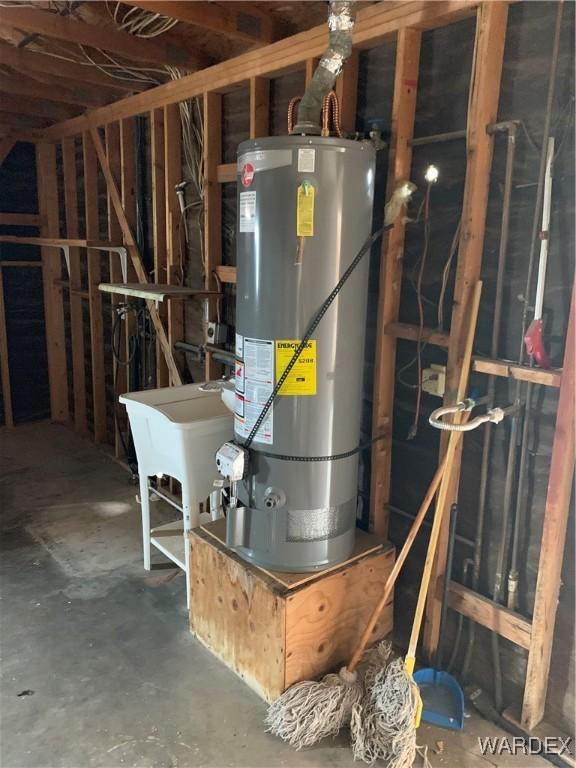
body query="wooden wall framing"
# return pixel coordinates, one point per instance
(375, 24)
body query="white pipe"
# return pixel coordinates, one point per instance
(544, 233)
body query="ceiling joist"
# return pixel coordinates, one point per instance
(103, 37)
(30, 63)
(242, 23)
(49, 110)
(10, 123)
(23, 86)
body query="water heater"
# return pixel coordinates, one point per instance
(304, 212)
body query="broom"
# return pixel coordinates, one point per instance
(384, 724)
(311, 710)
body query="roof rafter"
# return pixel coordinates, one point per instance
(22, 105)
(10, 123)
(104, 37)
(23, 86)
(245, 24)
(31, 62)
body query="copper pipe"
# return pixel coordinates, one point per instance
(291, 109)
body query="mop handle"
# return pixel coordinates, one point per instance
(455, 438)
(390, 581)
(444, 487)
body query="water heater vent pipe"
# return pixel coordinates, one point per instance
(341, 17)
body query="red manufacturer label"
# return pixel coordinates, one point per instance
(247, 174)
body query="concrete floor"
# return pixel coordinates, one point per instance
(98, 667)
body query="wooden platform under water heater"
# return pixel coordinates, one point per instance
(274, 629)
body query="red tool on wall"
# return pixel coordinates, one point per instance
(533, 337)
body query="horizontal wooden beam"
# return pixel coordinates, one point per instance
(508, 370)
(23, 264)
(412, 333)
(226, 173)
(31, 62)
(244, 25)
(20, 220)
(226, 274)
(483, 611)
(49, 110)
(374, 24)
(106, 38)
(26, 86)
(59, 242)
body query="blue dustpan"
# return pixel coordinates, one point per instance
(442, 697)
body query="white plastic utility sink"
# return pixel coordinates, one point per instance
(177, 431)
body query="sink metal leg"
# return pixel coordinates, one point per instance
(191, 520)
(145, 510)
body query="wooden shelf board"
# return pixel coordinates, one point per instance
(169, 539)
(156, 291)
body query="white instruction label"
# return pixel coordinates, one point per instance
(306, 160)
(247, 211)
(239, 345)
(254, 385)
(259, 360)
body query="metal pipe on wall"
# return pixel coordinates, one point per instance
(511, 128)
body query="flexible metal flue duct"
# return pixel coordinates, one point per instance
(341, 18)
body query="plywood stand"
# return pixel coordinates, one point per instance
(275, 629)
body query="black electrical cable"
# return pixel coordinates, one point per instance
(311, 328)
(335, 457)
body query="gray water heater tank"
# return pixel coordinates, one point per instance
(304, 212)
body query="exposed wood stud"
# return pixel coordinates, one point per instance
(310, 68)
(133, 252)
(212, 205)
(485, 83)
(104, 37)
(226, 274)
(259, 108)
(95, 297)
(158, 160)
(508, 370)
(51, 271)
(4, 362)
(226, 173)
(347, 93)
(119, 372)
(22, 264)
(174, 230)
(556, 512)
(374, 24)
(412, 333)
(403, 112)
(76, 312)
(498, 618)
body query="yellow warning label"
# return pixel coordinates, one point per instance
(305, 210)
(302, 378)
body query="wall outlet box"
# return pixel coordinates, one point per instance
(434, 380)
(216, 333)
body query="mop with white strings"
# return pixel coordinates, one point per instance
(311, 710)
(384, 723)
